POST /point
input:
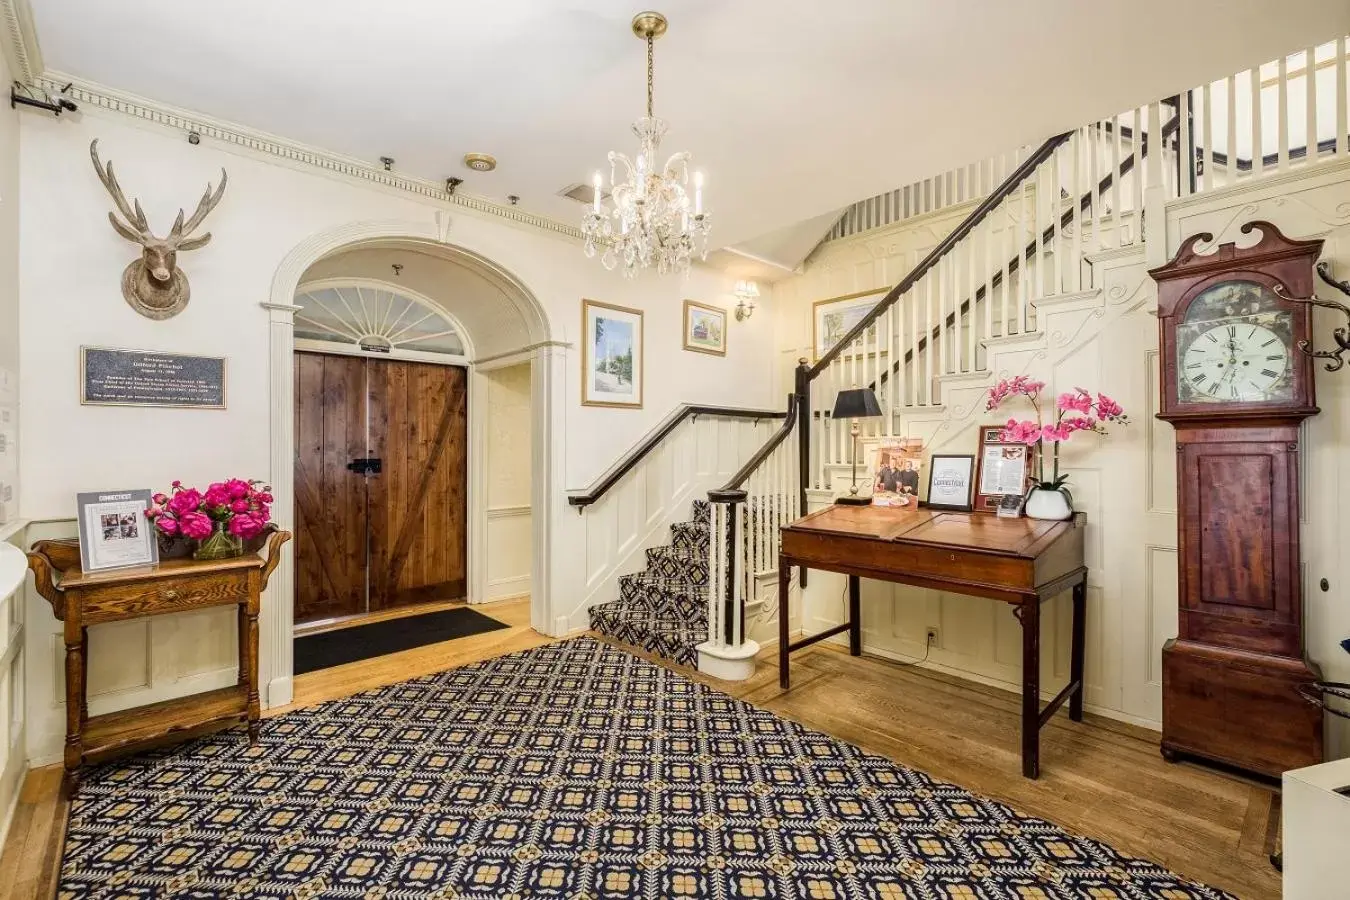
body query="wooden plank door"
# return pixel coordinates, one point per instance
(331, 519)
(419, 503)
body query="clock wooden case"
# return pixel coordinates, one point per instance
(1236, 389)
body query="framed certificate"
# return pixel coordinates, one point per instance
(114, 531)
(1001, 470)
(950, 479)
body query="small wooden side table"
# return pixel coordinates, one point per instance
(80, 599)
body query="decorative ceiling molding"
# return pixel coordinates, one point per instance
(22, 52)
(106, 98)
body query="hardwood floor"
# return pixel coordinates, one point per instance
(1102, 779)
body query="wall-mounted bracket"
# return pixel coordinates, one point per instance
(1342, 334)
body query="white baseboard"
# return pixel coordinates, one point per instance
(280, 691)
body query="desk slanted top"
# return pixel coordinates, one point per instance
(968, 553)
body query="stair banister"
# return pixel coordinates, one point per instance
(744, 517)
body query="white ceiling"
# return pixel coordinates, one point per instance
(793, 108)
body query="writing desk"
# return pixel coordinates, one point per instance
(1023, 562)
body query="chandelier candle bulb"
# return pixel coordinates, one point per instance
(698, 193)
(599, 185)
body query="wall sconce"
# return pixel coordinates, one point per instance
(745, 292)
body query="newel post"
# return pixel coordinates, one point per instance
(728, 653)
(803, 391)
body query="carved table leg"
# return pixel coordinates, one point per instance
(784, 588)
(76, 709)
(854, 615)
(1077, 648)
(1029, 613)
(248, 663)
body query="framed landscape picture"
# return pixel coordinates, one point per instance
(832, 319)
(611, 355)
(705, 328)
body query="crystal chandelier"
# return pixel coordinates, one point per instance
(654, 221)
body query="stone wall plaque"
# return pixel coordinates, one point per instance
(149, 378)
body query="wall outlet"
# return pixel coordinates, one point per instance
(934, 636)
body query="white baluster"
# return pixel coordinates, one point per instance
(1093, 133)
(1140, 168)
(1258, 161)
(971, 290)
(1155, 150)
(1116, 176)
(929, 352)
(913, 378)
(1045, 204)
(1282, 114)
(1232, 167)
(1076, 197)
(1310, 85)
(1207, 165)
(1019, 250)
(1342, 95)
(1185, 149)
(1009, 251)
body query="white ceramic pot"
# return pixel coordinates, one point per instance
(1048, 503)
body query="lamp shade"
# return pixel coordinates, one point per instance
(856, 403)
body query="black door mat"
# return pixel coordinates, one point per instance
(347, 645)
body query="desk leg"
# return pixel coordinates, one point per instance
(75, 689)
(1076, 651)
(1030, 615)
(784, 588)
(854, 615)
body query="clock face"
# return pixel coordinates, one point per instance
(1235, 345)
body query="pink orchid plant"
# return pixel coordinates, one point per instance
(1075, 411)
(243, 507)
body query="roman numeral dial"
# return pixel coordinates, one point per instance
(1236, 362)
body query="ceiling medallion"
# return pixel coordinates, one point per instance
(480, 162)
(654, 222)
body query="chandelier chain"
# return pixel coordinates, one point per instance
(651, 75)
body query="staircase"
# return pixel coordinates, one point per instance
(993, 295)
(664, 608)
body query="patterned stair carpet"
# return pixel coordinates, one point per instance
(664, 610)
(570, 770)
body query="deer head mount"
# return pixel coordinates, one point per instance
(154, 285)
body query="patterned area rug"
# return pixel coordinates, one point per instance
(571, 770)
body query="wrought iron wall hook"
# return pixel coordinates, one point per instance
(1342, 334)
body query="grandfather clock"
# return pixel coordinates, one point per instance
(1236, 389)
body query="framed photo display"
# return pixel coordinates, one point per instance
(832, 319)
(611, 355)
(894, 465)
(950, 480)
(705, 328)
(114, 532)
(1002, 470)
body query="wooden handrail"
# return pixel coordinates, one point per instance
(625, 463)
(732, 492)
(987, 205)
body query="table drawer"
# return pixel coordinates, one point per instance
(163, 595)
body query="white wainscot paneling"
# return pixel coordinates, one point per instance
(637, 512)
(509, 558)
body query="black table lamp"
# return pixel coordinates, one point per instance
(856, 403)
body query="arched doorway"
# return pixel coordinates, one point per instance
(501, 325)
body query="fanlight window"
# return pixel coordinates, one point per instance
(375, 319)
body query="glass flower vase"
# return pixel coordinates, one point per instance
(220, 545)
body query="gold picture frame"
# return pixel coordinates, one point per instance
(616, 381)
(829, 326)
(713, 319)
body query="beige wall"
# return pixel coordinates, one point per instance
(508, 471)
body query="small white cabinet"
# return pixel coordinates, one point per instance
(1316, 816)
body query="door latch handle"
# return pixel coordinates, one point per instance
(366, 465)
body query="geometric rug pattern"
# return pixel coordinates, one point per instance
(570, 770)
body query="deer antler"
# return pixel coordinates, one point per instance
(179, 235)
(136, 229)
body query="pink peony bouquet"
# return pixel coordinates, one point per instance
(243, 508)
(1075, 411)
